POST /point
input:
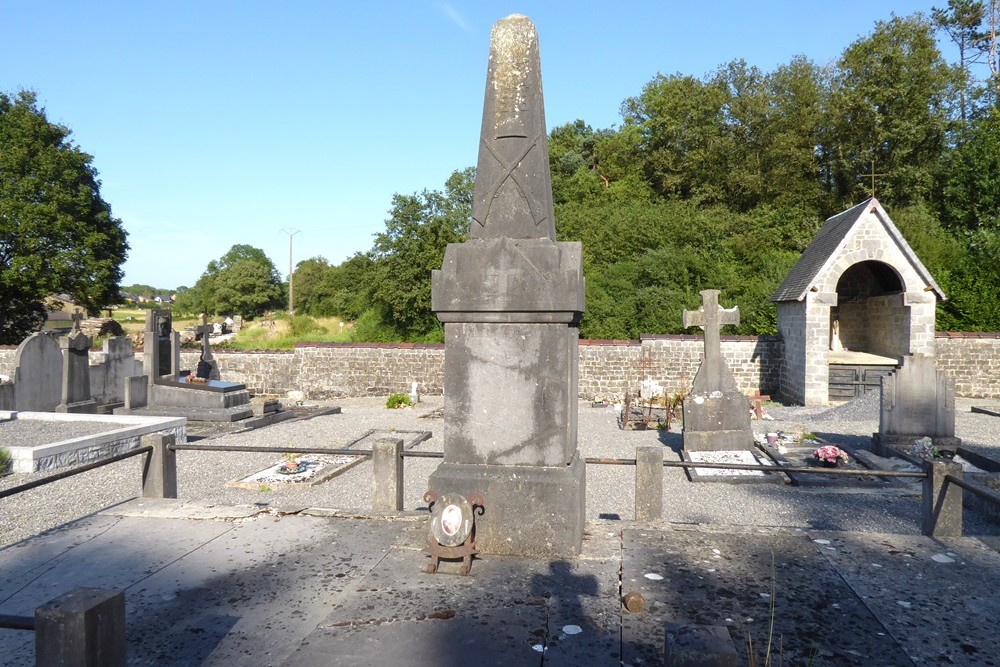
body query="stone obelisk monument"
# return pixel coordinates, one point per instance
(511, 299)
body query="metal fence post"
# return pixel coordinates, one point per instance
(648, 483)
(387, 476)
(941, 505)
(83, 628)
(159, 469)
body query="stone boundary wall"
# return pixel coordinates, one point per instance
(972, 360)
(607, 367)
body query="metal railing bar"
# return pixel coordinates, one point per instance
(17, 622)
(269, 450)
(797, 469)
(73, 471)
(973, 487)
(609, 462)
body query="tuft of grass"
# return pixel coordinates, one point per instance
(6, 461)
(398, 401)
(278, 333)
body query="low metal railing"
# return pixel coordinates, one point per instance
(48, 479)
(942, 482)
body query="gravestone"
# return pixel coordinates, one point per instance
(716, 413)
(510, 299)
(918, 401)
(161, 347)
(75, 391)
(38, 373)
(109, 374)
(208, 367)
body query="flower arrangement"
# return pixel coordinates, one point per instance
(924, 449)
(830, 455)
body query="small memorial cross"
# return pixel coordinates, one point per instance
(711, 318)
(205, 329)
(77, 318)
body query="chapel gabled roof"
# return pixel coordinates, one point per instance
(828, 242)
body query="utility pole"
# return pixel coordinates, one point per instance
(291, 235)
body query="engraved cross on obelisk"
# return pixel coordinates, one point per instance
(711, 318)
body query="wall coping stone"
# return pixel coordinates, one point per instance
(967, 334)
(609, 343)
(700, 337)
(391, 346)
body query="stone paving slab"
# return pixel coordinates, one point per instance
(245, 587)
(936, 598)
(730, 580)
(508, 611)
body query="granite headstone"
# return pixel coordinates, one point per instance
(917, 401)
(38, 365)
(75, 390)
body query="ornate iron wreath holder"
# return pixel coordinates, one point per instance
(453, 528)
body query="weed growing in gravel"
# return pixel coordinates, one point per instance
(398, 401)
(5, 461)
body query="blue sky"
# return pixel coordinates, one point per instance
(221, 122)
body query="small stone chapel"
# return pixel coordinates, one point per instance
(857, 301)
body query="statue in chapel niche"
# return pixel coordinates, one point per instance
(835, 344)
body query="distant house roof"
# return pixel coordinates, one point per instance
(828, 242)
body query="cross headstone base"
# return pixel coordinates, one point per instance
(88, 407)
(544, 510)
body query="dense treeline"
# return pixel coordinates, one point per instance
(721, 182)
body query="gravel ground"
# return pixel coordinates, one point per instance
(202, 476)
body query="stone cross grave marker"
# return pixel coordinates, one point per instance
(205, 329)
(716, 414)
(208, 368)
(711, 317)
(76, 370)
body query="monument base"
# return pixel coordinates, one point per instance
(887, 444)
(88, 407)
(717, 441)
(719, 421)
(530, 510)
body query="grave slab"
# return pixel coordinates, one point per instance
(123, 434)
(744, 457)
(911, 581)
(727, 579)
(508, 611)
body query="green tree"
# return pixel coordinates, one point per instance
(248, 287)
(244, 281)
(412, 245)
(682, 136)
(961, 21)
(56, 232)
(313, 291)
(970, 194)
(889, 108)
